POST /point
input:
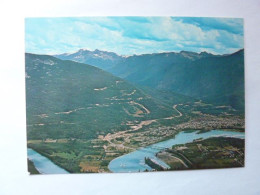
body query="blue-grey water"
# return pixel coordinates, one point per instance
(43, 164)
(134, 161)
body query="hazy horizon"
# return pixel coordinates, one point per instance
(75, 51)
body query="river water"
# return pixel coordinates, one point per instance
(134, 161)
(43, 164)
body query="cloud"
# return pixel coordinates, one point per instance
(233, 25)
(133, 35)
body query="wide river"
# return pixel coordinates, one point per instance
(134, 161)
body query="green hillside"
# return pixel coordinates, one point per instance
(67, 99)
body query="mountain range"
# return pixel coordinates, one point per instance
(217, 79)
(98, 58)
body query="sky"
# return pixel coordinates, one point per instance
(133, 35)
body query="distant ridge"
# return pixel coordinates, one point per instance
(114, 53)
(199, 75)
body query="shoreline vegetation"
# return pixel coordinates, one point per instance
(203, 130)
(31, 168)
(48, 157)
(154, 165)
(214, 152)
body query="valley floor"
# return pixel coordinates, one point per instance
(78, 155)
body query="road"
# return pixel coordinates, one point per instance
(109, 137)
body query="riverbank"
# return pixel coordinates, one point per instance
(31, 168)
(213, 152)
(42, 164)
(50, 158)
(135, 161)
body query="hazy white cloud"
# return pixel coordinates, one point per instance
(133, 35)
